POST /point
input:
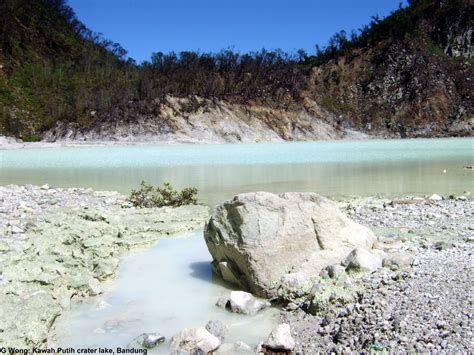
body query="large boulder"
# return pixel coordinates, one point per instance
(257, 238)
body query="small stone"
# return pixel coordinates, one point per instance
(246, 303)
(435, 197)
(223, 302)
(147, 340)
(280, 339)
(362, 260)
(17, 230)
(217, 328)
(195, 340)
(398, 260)
(442, 245)
(335, 270)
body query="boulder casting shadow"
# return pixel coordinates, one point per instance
(256, 239)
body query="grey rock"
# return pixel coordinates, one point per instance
(335, 270)
(195, 340)
(217, 328)
(443, 245)
(294, 286)
(435, 197)
(246, 303)
(223, 302)
(398, 260)
(147, 340)
(17, 230)
(263, 236)
(362, 260)
(280, 338)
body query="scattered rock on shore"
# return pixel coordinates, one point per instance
(194, 341)
(217, 328)
(420, 303)
(280, 339)
(246, 303)
(147, 340)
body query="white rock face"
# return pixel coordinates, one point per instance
(435, 197)
(193, 340)
(246, 303)
(280, 338)
(261, 237)
(218, 122)
(363, 260)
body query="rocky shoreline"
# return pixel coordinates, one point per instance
(58, 245)
(425, 307)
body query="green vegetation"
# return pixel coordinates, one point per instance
(336, 106)
(149, 196)
(52, 68)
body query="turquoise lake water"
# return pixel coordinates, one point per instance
(337, 168)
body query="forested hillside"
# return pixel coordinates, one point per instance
(408, 74)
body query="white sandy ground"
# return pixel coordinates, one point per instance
(15, 143)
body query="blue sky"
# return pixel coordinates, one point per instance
(146, 26)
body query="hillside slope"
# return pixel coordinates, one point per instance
(414, 79)
(407, 75)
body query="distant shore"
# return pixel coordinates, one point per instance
(7, 143)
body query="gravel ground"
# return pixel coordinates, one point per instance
(425, 308)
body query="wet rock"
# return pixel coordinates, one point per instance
(362, 260)
(147, 340)
(217, 328)
(246, 303)
(234, 348)
(223, 302)
(280, 339)
(261, 236)
(223, 268)
(195, 340)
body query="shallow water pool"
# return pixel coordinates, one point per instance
(164, 289)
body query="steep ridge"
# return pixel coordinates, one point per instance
(213, 122)
(408, 75)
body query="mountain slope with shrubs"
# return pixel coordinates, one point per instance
(406, 75)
